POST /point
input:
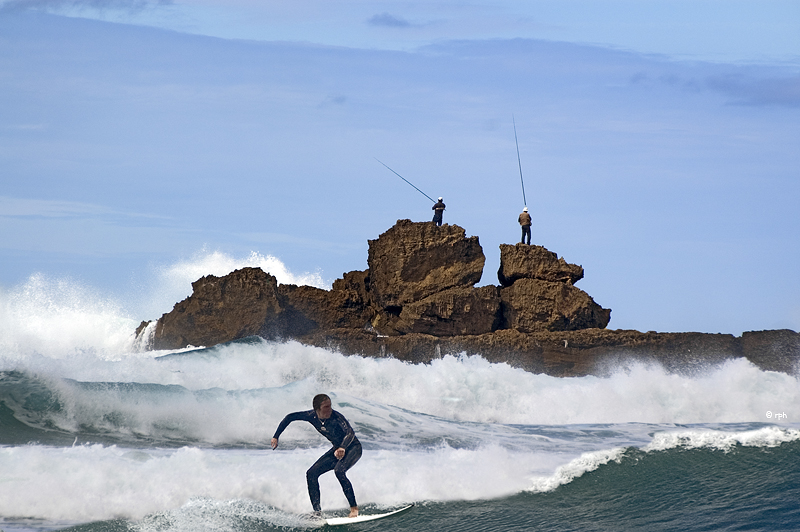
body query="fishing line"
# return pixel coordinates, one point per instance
(407, 181)
(518, 161)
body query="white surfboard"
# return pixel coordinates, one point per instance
(336, 521)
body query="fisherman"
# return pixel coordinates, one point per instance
(525, 222)
(342, 456)
(438, 209)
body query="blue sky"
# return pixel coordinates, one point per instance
(658, 141)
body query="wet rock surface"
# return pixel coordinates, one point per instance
(417, 301)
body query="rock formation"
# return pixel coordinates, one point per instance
(220, 309)
(538, 292)
(418, 301)
(535, 262)
(412, 261)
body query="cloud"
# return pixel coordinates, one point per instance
(783, 92)
(744, 88)
(11, 207)
(337, 100)
(388, 20)
(68, 5)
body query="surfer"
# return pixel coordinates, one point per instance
(525, 221)
(438, 209)
(342, 456)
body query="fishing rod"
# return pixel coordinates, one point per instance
(519, 161)
(407, 181)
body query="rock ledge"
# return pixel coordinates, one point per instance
(417, 301)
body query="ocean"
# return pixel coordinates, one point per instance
(97, 434)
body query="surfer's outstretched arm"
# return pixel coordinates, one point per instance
(294, 416)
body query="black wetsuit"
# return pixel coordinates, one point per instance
(340, 434)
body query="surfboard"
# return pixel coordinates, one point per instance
(336, 521)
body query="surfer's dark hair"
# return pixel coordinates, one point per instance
(318, 400)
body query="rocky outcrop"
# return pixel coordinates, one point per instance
(220, 309)
(535, 262)
(538, 292)
(250, 302)
(531, 305)
(452, 312)
(777, 350)
(417, 301)
(412, 261)
(580, 353)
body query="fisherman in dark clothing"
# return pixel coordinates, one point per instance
(525, 222)
(438, 209)
(342, 456)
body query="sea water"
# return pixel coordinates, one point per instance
(97, 434)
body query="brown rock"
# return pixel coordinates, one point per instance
(221, 309)
(356, 286)
(556, 353)
(531, 305)
(535, 262)
(412, 261)
(140, 329)
(417, 302)
(777, 350)
(308, 308)
(453, 312)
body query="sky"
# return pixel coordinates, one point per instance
(657, 141)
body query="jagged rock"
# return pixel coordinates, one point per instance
(420, 281)
(412, 261)
(532, 305)
(221, 309)
(308, 308)
(417, 302)
(456, 311)
(777, 350)
(522, 261)
(356, 287)
(142, 326)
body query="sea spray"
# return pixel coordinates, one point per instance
(59, 318)
(94, 482)
(184, 435)
(764, 437)
(220, 394)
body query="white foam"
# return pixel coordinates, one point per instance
(722, 440)
(85, 483)
(205, 514)
(258, 383)
(61, 328)
(472, 389)
(459, 428)
(576, 468)
(60, 318)
(662, 441)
